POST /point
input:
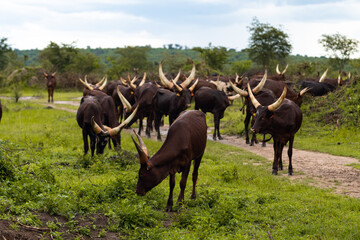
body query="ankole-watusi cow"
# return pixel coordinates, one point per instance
(51, 85)
(282, 119)
(185, 141)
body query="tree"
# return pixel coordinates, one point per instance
(130, 58)
(4, 50)
(340, 48)
(54, 57)
(214, 57)
(267, 43)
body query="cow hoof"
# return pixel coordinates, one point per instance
(251, 144)
(263, 144)
(274, 172)
(214, 138)
(220, 138)
(290, 173)
(168, 209)
(247, 142)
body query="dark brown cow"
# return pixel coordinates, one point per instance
(214, 101)
(144, 100)
(89, 107)
(185, 141)
(282, 120)
(51, 85)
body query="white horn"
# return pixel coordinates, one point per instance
(252, 98)
(261, 84)
(278, 102)
(323, 76)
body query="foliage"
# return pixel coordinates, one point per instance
(131, 59)
(213, 57)
(340, 48)
(267, 43)
(241, 66)
(4, 50)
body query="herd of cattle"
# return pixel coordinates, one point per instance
(271, 106)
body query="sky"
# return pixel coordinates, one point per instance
(30, 24)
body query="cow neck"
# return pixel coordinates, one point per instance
(165, 162)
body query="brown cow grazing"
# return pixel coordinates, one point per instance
(282, 120)
(51, 85)
(185, 141)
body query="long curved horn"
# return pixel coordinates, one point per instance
(178, 88)
(134, 80)
(177, 77)
(100, 82)
(261, 84)
(232, 98)
(86, 84)
(124, 101)
(278, 102)
(191, 89)
(123, 81)
(142, 149)
(133, 86)
(236, 78)
(252, 98)
(103, 85)
(283, 72)
(323, 76)
(163, 79)
(96, 128)
(242, 93)
(114, 131)
(340, 82)
(143, 80)
(302, 92)
(191, 77)
(53, 74)
(277, 69)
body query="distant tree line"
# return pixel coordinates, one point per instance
(268, 46)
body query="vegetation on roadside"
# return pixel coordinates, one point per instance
(43, 170)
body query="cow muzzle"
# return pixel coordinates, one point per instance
(188, 105)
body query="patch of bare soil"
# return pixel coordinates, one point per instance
(81, 227)
(323, 170)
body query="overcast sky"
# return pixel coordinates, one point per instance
(29, 24)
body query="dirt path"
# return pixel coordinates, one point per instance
(319, 169)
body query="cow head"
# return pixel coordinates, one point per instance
(184, 93)
(49, 77)
(264, 114)
(104, 135)
(148, 176)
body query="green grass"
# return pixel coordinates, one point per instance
(42, 168)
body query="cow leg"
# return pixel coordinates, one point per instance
(246, 123)
(253, 139)
(52, 95)
(290, 169)
(149, 126)
(48, 95)
(158, 118)
(86, 144)
(195, 175)
(275, 163)
(92, 144)
(281, 147)
(170, 199)
(217, 126)
(263, 143)
(184, 176)
(140, 126)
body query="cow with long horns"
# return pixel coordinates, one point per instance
(185, 141)
(215, 102)
(282, 119)
(51, 85)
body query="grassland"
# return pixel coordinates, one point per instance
(43, 170)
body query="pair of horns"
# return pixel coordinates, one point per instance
(112, 132)
(256, 90)
(283, 72)
(271, 107)
(98, 85)
(170, 84)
